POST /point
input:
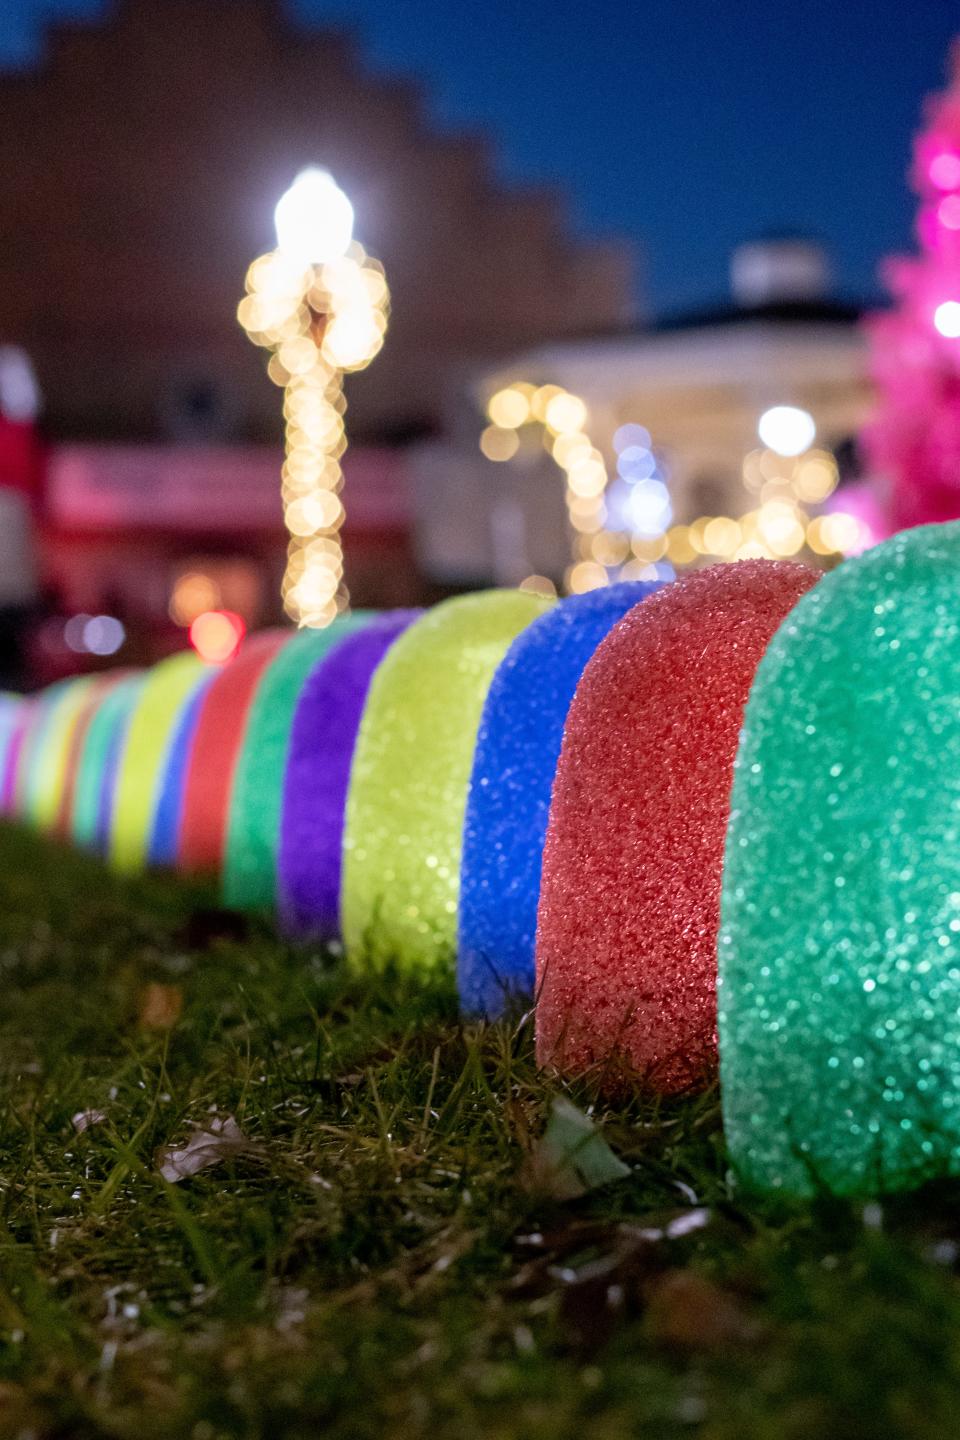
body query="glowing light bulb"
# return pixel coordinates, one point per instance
(946, 318)
(314, 218)
(787, 429)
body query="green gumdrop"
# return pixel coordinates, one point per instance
(253, 825)
(408, 783)
(839, 1015)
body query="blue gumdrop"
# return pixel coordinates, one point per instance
(508, 804)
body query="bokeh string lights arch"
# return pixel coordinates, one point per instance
(621, 513)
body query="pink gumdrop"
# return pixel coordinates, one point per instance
(630, 895)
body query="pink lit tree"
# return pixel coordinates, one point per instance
(913, 438)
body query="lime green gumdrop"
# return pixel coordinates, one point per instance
(166, 689)
(408, 784)
(253, 825)
(839, 1013)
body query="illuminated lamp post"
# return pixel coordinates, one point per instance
(319, 304)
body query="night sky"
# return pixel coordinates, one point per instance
(684, 125)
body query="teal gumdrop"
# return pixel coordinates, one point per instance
(839, 1014)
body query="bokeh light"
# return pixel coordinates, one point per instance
(192, 594)
(786, 429)
(314, 218)
(946, 318)
(216, 635)
(319, 303)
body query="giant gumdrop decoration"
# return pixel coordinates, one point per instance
(168, 811)
(215, 750)
(99, 687)
(629, 907)
(840, 945)
(317, 776)
(253, 822)
(408, 785)
(51, 761)
(518, 746)
(134, 762)
(99, 749)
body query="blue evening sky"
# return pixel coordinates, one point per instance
(684, 125)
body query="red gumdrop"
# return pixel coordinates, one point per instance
(630, 894)
(215, 750)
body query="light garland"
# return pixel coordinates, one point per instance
(320, 320)
(562, 417)
(780, 527)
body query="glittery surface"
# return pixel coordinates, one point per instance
(108, 721)
(840, 944)
(253, 824)
(216, 746)
(321, 750)
(140, 764)
(518, 746)
(630, 898)
(408, 787)
(165, 828)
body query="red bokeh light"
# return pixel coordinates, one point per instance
(216, 635)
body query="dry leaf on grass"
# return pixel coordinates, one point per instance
(220, 1141)
(571, 1158)
(160, 1006)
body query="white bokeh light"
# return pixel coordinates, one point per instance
(946, 318)
(314, 218)
(103, 635)
(787, 429)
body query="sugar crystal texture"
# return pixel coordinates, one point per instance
(319, 760)
(253, 823)
(840, 943)
(518, 746)
(630, 897)
(408, 785)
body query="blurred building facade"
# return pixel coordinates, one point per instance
(142, 160)
(697, 387)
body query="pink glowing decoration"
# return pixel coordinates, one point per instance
(913, 437)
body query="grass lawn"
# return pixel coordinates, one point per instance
(381, 1247)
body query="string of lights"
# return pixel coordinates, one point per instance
(319, 304)
(622, 524)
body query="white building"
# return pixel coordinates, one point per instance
(698, 387)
